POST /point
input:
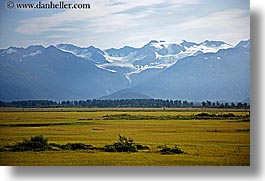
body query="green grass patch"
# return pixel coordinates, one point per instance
(199, 116)
(47, 124)
(211, 141)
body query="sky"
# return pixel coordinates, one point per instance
(116, 23)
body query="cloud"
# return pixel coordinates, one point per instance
(103, 16)
(218, 19)
(231, 25)
(115, 23)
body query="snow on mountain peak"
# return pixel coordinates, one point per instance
(209, 43)
(10, 50)
(245, 44)
(158, 54)
(159, 45)
(153, 41)
(188, 44)
(205, 47)
(90, 53)
(162, 44)
(32, 54)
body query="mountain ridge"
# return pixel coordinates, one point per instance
(66, 71)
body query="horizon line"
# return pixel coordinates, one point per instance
(174, 42)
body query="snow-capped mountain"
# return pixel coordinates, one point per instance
(212, 70)
(90, 53)
(245, 44)
(162, 52)
(224, 75)
(168, 53)
(49, 73)
(156, 55)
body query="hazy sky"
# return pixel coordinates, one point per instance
(115, 23)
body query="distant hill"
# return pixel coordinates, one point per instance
(247, 100)
(126, 94)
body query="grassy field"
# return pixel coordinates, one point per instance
(218, 141)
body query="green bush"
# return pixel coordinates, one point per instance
(40, 143)
(203, 114)
(55, 145)
(124, 144)
(35, 143)
(142, 147)
(207, 115)
(72, 146)
(177, 150)
(169, 151)
(76, 146)
(110, 148)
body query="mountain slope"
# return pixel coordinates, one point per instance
(155, 55)
(90, 53)
(121, 52)
(224, 75)
(210, 70)
(49, 73)
(126, 94)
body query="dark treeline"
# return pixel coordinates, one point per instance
(153, 103)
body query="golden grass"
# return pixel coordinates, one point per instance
(206, 142)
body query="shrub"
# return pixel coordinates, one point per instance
(227, 115)
(40, 143)
(170, 151)
(76, 146)
(110, 148)
(55, 145)
(72, 146)
(177, 150)
(142, 147)
(203, 114)
(35, 143)
(124, 144)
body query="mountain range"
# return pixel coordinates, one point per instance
(210, 70)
